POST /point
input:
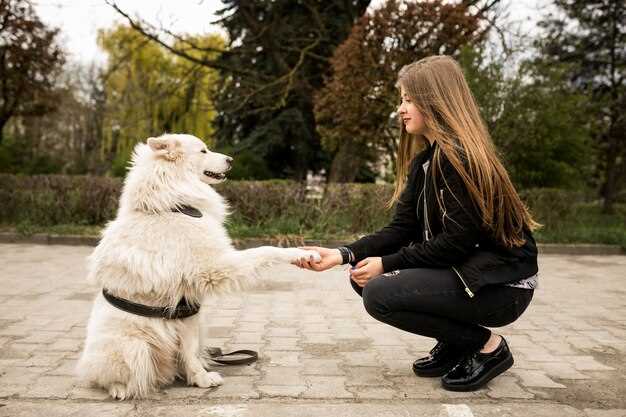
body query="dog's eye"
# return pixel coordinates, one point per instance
(203, 151)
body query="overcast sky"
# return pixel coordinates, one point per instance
(80, 20)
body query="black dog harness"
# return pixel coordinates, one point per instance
(183, 310)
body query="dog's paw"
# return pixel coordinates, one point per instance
(208, 379)
(296, 255)
(118, 392)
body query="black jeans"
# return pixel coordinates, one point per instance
(433, 303)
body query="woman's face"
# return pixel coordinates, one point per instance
(410, 115)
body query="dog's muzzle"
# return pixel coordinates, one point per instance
(215, 175)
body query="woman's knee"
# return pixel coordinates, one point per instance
(374, 297)
(355, 286)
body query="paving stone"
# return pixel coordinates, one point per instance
(42, 337)
(506, 387)
(327, 387)
(411, 387)
(282, 376)
(361, 359)
(281, 390)
(536, 379)
(372, 393)
(71, 345)
(281, 332)
(366, 375)
(51, 387)
(87, 393)
(562, 370)
(248, 337)
(241, 387)
(281, 358)
(322, 367)
(65, 368)
(586, 363)
(605, 413)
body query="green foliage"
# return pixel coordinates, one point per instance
(66, 204)
(30, 60)
(355, 110)
(589, 36)
(536, 121)
(276, 60)
(150, 92)
(16, 157)
(247, 165)
(57, 199)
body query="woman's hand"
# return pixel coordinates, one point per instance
(367, 269)
(330, 258)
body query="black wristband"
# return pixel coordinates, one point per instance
(345, 254)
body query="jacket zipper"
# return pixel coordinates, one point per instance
(427, 228)
(467, 290)
(427, 231)
(443, 216)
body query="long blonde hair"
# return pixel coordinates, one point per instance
(437, 87)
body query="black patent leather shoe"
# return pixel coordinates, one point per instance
(476, 369)
(442, 359)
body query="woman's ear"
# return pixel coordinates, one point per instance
(166, 147)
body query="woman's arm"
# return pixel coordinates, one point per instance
(459, 238)
(402, 230)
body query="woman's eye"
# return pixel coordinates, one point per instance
(203, 151)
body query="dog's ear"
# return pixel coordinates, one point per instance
(166, 147)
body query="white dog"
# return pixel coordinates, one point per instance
(167, 244)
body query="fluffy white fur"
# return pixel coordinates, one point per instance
(154, 256)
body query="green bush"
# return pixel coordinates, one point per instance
(58, 199)
(284, 208)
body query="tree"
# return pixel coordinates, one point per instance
(276, 58)
(590, 36)
(355, 110)
(150, 91)
(30, 60)
(536, 120)
(290, 43)
(66, 140)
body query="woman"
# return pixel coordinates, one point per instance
(459, 253)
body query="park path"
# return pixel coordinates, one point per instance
(321, 354)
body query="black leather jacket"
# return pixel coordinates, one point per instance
(448, 238)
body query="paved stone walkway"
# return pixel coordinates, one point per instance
(321, 354)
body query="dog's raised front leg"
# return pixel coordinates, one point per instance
(268, 255)
(191, 363)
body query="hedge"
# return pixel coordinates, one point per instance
(276, 207)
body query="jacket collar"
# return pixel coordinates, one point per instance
(430, 149)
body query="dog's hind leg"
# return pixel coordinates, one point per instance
(141, 374)
(191, 363)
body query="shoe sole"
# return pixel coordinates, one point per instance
(486, 378)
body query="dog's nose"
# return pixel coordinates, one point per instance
(229, 161)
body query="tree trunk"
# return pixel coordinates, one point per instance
(2, 123)
(610, 185)
(345, 165)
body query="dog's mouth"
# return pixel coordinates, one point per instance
(215, 175)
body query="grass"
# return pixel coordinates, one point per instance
(586, 224)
